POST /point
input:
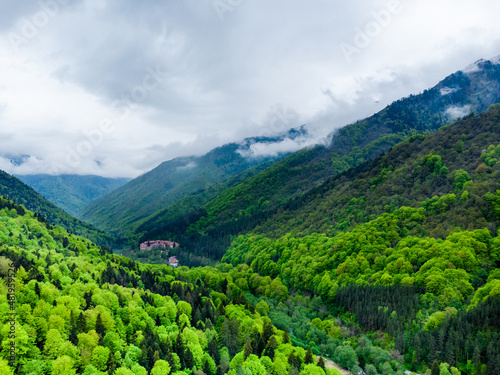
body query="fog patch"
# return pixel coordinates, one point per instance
(187, 167)
(455, 112)
(447, 91)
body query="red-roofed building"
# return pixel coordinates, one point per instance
(157, 244)
(173, 262)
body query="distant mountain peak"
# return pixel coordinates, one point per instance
(480, 64)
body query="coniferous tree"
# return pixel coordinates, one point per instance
(271, 347)
(321, 363)
(82, 323)
(180, 350)
(435, 368)
(268, 331)
(73, 330)
(188, 358)
(99, 328)
(286, 338)
(248, 348)
(111, 363)
(213, 351)
(309, 357)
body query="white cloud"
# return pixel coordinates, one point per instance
(221, 80)
(188, 166)
(456, 112)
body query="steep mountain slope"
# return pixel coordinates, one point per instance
(241, 208)
(410, 245)
(72, 192)
(421, 168)
(21, 193)
(121, 211)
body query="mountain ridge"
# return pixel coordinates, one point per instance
(241, 208)
(72, 192)
(16, 190)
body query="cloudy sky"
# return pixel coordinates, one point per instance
(114, 87)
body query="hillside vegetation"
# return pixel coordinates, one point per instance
(123, 210)
(79, 309)
(243, 207)
(72, 192)
(21, 193)
(409, 246)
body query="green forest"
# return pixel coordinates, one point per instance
(73, 307)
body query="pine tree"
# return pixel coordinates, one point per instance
(37, 289)
(111, 363)
(206, 368)
(271, 347)
(435, 368)
(82, 323)
(286, 338)
(268, 331)
(213, 351)
(99, 328)
(179, 349)
(309, 357)
(73, 330)
(172, 362)
(321, 363)
(248, 348)
(188, 358)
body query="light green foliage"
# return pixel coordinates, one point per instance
(312, 369)
(5, 369)
(438, 317)
(280, 364)
(99, 357)
(53, 343)
(262, 308)
(123, 371)
(254, 365)
(444, 267)
(491, 156)
(460, 178)
(184, 308)
(161, 368)
(139, 370)
(63, 366)
(91, 370)
(490, 289)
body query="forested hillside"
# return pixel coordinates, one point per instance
(456, 163)
(123, 210)
(72, 192)
(408, 244)
(79, 309)
(16, 190)
(241, 208)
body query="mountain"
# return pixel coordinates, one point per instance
(243, 207)
(72, 192)
(408, 243)
(121, 211)
(13, 188)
